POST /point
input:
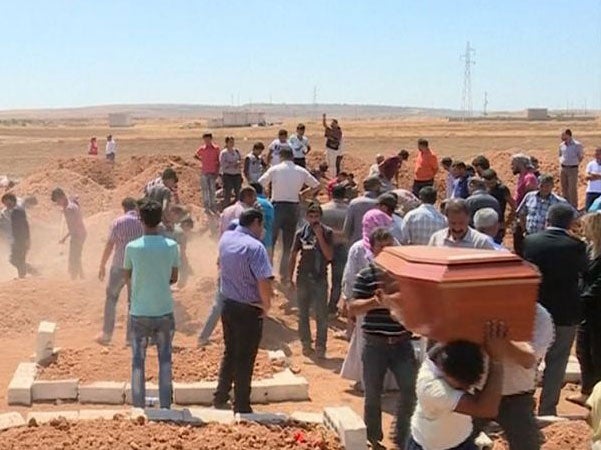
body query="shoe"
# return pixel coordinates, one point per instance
(307, 350)
(103, 340)
(376, 446)
(320, 353)
(226, 405)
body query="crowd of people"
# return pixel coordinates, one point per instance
(327, 263)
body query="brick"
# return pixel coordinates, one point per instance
(45, 341)
(11, 420)
(199, 393)
(106, 414)
(265, 418)
(307, 417)
(209, 415)
(19, 388)
(44, 390)
(102, 392)
(349, 426)
(152, 390)
(46, 416)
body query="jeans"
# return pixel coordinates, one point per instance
(516, 417)
(467, 445)
(75, 251)
(242, 332)
(338, 263)
(312, 291)
(231, 183)
(588, 351)
(114, 287)
(556, 362)
(417, 185)
(18, 257)
(208, 183)
(213, 318)
(160, 330)
(379, 356)
(590, 198)
(285, 218)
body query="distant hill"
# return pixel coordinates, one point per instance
(273, 112)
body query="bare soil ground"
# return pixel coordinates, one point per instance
(47, 156)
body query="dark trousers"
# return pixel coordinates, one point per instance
(312, 291)
(516, 417)
(556, 361)
(338, 263)
(300, 162)
(378, 357)
(75, 251)
(231, 185)
(588, 351)
(338, 163)
(242, 331)
(18, 257)
(417, 185)
(285, 219)
(467, 445)
(518, 240)
(590, 198)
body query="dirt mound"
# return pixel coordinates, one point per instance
(101, 364)
(126, 434)
(572, 435)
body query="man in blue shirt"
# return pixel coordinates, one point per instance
(460, 184)
(151, 266)
(246, 285)
(268, 216)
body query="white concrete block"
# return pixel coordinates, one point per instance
(46, 416)
(286, 386)
(349, 426)
(265, 418)
(544, 421)
(277, 356)
(199, 393)
(45, 341)
(307, 417)
(102, 392)
(19, 388)
(208, 415)
(259, 391)
(106, 414)
(152, 390)
(11, 420)
(44, 390)
(483, 442)
(165, 415)
(572, 372)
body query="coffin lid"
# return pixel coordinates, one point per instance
(454, 264)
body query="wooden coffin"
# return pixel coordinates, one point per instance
(450, 293)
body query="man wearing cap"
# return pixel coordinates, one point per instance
(358, 207)
(300, 145)
(208, 155)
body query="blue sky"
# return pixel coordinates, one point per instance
(397, 52)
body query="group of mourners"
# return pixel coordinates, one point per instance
(327, 262)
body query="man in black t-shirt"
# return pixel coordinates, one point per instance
(501, 192)
(387, 347)
(315, 243)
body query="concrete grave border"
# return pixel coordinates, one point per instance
(342, 420)
(25, 389)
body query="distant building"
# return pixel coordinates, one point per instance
(238, 119)
(537, 114)
(119, 120)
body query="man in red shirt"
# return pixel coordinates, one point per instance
(208, 155)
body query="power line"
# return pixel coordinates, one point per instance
(466, 98)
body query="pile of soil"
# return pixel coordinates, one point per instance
(114, 364)
(126, 434)
(571, 435)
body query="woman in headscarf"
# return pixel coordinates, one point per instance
(359, 256)
(588, 337)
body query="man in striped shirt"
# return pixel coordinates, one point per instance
(387, 347)
(124, 229)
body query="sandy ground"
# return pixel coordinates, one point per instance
(43, 157)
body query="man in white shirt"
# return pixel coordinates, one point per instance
(287, 179)
(111, 148)
(374, 169)
(593, 176)
(276, 146)
(571, 154)
(300, 146)
(443, 416)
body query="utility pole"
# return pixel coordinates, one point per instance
(466, 98)
(485, 113)
(315, 97)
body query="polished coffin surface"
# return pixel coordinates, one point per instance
(450, 293)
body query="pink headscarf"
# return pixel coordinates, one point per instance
(373, 219)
